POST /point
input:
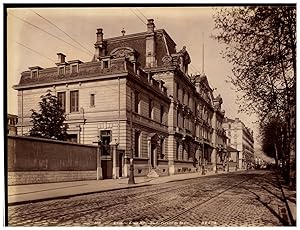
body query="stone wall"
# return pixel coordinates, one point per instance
(38, 177)
(35, 160)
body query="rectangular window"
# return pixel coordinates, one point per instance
(92, 100)
(72, 138)
(177, 91)
(177, 118)
(162, 148)
(74, 69)
(182, 96)
(105, 64)
(61, 70)
(150, 108)
(177, 150)
(183, 121)
(136, 144)
(105, 141)
(34, 74)
(188, 151)
(74, 101)
(161, 114)
(61, 97)
(136, 102)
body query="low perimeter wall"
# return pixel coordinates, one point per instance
(36, 160)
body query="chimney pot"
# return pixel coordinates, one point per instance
(99, 35)
(150, 26)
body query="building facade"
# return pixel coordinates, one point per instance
(240, 137)
(136, 96)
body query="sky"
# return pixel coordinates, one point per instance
(189, 26)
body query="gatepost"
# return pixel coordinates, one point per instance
(115, 168)
(99, 168)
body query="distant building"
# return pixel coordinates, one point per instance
(241, 138)
(233, 154)
(12, 121)
(135, 92)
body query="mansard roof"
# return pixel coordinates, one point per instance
(86, 71)
(165, 45)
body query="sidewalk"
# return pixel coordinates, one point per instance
(21, 194)
(291, 204)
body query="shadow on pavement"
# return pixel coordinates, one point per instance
(283, 221)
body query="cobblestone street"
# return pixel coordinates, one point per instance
(250, 198)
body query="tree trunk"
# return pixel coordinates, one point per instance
(276, 156)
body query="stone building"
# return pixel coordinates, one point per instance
(136, 96)
(240, 137)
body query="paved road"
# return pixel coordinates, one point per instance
(249, 198)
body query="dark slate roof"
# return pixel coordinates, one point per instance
(138, 43)
(86, 70)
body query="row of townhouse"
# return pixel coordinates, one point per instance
(240, 137)
(136, 93)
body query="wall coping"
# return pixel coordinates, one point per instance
(49, 140)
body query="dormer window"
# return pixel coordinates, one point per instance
(105, 64)
(34, 74)
(74, 68)
(34, 71)
(61, 70)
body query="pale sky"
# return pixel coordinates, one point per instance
(184, 25)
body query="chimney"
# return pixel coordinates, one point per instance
(99, 35)
(150, 26)
(150, 45)
(61, 58)
(100, 45)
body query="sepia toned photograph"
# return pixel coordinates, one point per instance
(150, 116)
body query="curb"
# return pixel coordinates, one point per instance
(72, 195)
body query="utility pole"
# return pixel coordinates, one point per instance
(131, 168)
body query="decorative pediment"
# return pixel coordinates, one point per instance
(167, 60)
(124, 52)
(153, 137)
